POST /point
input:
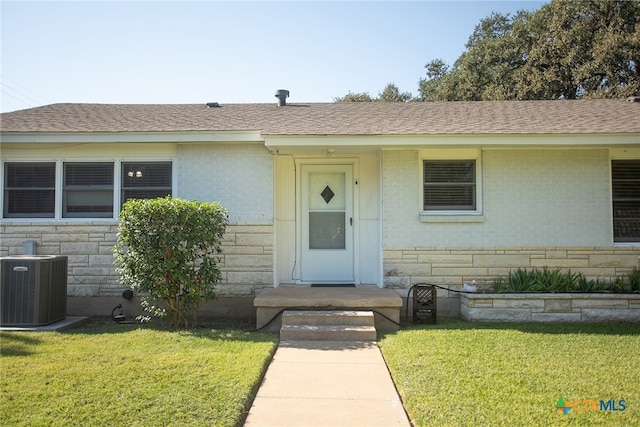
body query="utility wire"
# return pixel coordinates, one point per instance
(20, 93)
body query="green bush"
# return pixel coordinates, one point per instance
(545, 280)
(169, 250)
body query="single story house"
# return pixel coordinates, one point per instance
(376, 194)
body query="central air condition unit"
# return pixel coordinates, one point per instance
(33, 290)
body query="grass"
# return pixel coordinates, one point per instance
(451, 374)
(469, 374)
(130, 375)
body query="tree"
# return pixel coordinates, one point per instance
(390, 93)
(354, 97)
(430, 88)
(168, 249)
(566, 49)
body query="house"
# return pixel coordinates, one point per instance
(383, 195)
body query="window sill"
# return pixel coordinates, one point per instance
(429, 217)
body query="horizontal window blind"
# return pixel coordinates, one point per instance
(625, 190)
(87, 190)
(449, 185)
(146, 180)
(29, 190)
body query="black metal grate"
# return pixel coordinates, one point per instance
(424, 304)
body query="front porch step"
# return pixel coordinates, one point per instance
(328, 325)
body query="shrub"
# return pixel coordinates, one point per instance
(521, 280)
(169, 249)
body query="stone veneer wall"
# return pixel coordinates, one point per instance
(246, 258)
(451, 267)
(404, 267)
(566, 307)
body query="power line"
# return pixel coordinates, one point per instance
(23, 94)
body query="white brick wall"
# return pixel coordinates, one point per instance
(238, 176)
(530, 198)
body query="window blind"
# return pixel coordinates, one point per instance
(449, 185)
(625, 190)
(29, 190)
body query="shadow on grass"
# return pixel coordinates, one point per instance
(621, 328)
(209, 328)
(18, 343)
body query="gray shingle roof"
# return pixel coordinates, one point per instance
(372, 118)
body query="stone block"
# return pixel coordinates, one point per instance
(498, 314)
(556, 254)
(389, 254)
(601, 303)
(65, 237)
(610, 315)
(83, 290)
(524, 303)
(618, 260)
(100, 260)
(559, 263)
(396, 281)
(67, 248)
(557, 306)
(556, 317)
(254, 239)
(412, 269)
(247, 261)
(243, 250)
(481, 302)
(507, 261)
(445, 260)
(234, 290)
(459, 271)
(250, 278)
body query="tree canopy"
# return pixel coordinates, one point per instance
(390, 93)
(564, 50)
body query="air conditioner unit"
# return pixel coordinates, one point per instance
(33, 290)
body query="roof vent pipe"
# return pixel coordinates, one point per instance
(282, 96)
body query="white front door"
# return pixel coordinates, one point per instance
(326, 217)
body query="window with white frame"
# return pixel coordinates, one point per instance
(29, 190)
(625, 191)
(145, 180)
(86, 189)
(449, 185)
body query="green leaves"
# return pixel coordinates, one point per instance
(565, 50)
(545, 280)
(169, 249)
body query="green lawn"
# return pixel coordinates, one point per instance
(450, 374)
(130, 375)
(476, 374)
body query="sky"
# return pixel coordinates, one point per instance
(161, 52)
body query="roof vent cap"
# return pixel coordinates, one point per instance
(282, 95)
(212, 105)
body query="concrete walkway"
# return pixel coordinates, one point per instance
(329, 384)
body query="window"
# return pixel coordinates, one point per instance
(80, 189)
(87, 190)
(145, 180)
(625, 190)
(29, 190)
(449, 185)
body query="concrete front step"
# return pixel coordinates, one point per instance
(328, 317)
(328, 325)
(327, 333)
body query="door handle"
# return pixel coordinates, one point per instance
(351, 221)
